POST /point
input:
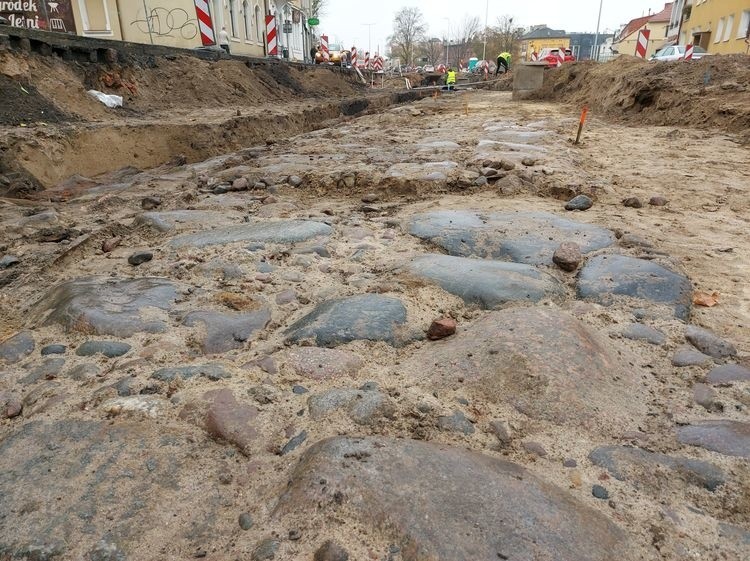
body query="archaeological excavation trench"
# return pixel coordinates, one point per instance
(340, 325)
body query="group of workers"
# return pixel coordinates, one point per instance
(503, 60)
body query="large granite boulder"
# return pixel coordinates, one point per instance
(105, 306)
(605, 277)
(369, 317)
(224, 332)
(543, 361)
(441, 502)
(282, 232)
(523, 237)
(489, 284)
(77, 489)
(169, 220)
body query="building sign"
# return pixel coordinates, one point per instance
(52, 15)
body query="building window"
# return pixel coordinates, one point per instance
(729, 27)
(233, 17)
(95, 16)
(246, 18)
(259, 24)
(743, 31)
(719, 31)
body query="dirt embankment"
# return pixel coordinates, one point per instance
(711, 92)
(51, 129)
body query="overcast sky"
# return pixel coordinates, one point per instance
(343, 19)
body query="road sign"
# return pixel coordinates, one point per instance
(312, 22)
(287, 27)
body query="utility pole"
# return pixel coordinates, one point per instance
(448, 44)
(369, 36)
(486, 22)
(596, 37)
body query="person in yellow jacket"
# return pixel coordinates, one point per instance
(503, 59)
(450, 79)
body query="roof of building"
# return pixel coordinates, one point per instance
(664, 15)
(544, 33)
(635, 24)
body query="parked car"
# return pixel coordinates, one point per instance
(552, 56)
(677, 52)
(428, 68)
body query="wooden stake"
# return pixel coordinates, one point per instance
(580, 125)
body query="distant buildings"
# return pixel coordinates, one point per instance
(172, 23)
(542, 37)
(719, 26)
(658, 24)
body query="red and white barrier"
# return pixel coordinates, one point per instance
(377, 63)
(271, 38)
(354, 57)
(641, 47)
(324, 48)
(441, 68)
(367, 60)
(204, 23)
(535, 57)
(689, 50)
(560, 56)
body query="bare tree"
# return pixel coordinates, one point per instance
(467, 33)
(317, 7)
(408, 30)
(432, 50)
(504, 37)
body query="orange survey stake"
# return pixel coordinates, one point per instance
(580, 125)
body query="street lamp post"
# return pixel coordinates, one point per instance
(596, 37)
(448, 44)
(486, 22)
(369, 36)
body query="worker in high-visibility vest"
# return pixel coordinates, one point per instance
(450, 79)
(503, 59)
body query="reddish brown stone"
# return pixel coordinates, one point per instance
(441, 328)
(568, 256)
(111, 244)
(231, 421)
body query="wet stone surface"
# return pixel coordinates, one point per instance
(224, 332)
(709, 343)
(492, 509)
(362, 406)
(281, 232)
(16, 348)
(212, 371)
(731, 438)
(523, 237)
(369, 317)
(606, 276)
(78, 463)
(640, 332)
(110, 349)
(108, 306)
(688, 356)
(488, 284)
(637, 466)
(727, 373)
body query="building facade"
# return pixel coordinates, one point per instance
(172, 23)
(719, 26)
(542, 37)
(659, 26)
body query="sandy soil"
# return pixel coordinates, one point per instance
(701, 231)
